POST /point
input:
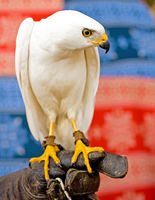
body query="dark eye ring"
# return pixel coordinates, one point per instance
(87, 32)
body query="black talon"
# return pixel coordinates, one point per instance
(60, 147)
(60, 165)
(47, 181)
(73, 164)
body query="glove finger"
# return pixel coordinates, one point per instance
(80, 182)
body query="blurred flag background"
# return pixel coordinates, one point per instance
(124, 119)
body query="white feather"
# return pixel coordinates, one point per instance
(58, 74)
(93, 73)
(34, 113)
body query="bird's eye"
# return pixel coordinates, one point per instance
(87, 32)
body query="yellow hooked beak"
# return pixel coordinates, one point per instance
(102, 42)
(104, 38)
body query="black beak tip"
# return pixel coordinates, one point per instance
(106, 51)
(105, 45)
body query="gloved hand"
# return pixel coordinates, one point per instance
(68, 182)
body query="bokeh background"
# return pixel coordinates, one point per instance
(124, 119)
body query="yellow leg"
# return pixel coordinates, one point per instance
(74, 125)
(51, 129)
(82, 148)
(50, 151)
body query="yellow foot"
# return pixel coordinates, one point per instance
(50, 151)
(81, 147)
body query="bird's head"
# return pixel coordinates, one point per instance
(74, 30)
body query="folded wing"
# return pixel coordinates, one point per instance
(35, 115)
(92, 81)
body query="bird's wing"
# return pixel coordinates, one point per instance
(92, 81)
(35, 116)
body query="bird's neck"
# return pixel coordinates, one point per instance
(56, 53)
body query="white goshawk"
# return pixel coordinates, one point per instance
(57, 67)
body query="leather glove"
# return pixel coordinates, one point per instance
(68, 182)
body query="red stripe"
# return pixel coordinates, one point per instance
(26, 5)
(12, 13)
(127, 92)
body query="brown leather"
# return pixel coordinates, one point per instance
(80, 136)
(29, 183)
(50, 140)
(87, 183)
(54, 190)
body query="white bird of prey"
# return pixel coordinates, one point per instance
(57, 68)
